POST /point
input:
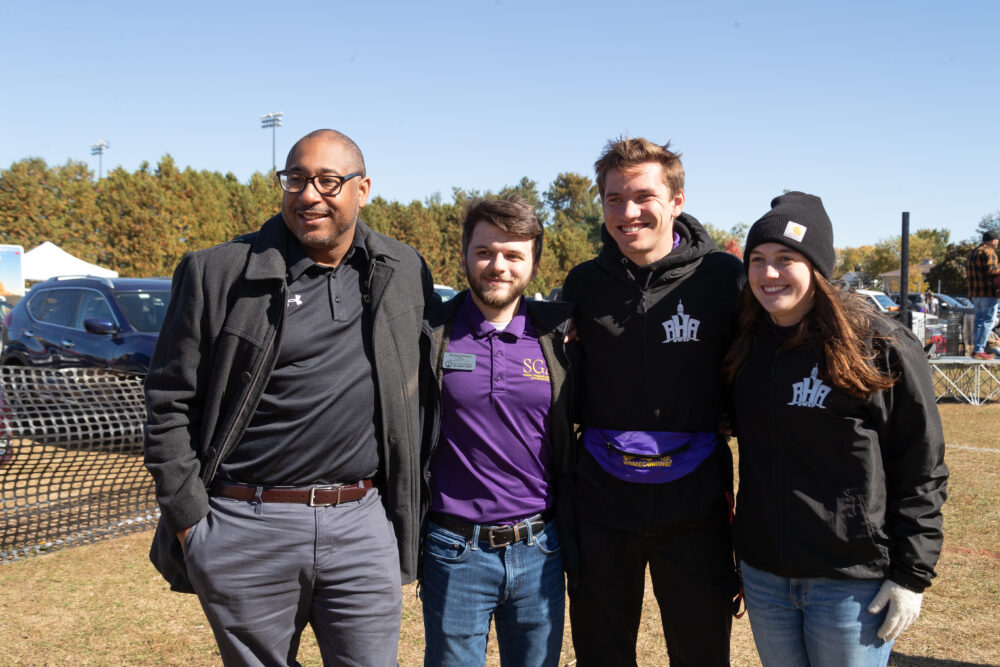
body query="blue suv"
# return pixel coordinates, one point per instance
(107, 323)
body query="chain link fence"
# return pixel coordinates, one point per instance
(71, 468)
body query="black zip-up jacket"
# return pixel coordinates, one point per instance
(641, 371)
(832, 485)
(551, 322)
(215, 354)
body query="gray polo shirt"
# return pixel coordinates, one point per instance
(316, 419)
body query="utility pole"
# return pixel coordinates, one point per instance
(272, 120)
(99, 149)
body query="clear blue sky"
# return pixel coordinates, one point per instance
(878, 107)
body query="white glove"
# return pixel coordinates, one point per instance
(904, 608)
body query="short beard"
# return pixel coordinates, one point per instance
(493, 300)
(331, 241)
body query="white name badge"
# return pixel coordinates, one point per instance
(459, 361)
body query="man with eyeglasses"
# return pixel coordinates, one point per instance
(283, 427)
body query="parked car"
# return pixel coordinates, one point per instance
(6, 444)
(108, 323)
(925, 326)
(948, 304)
(445, 292)
(964, 300)
(5, 310)
(879, 300)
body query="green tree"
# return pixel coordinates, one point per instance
(575, 201)
(565, 246)
(853, 260)
(731, 241)
(146, 235)
(989, 223)
(950, 271)
(884, 256)
(254, 202)
(57, 204)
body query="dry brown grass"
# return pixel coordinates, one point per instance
(103, 604)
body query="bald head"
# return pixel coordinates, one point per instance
(351, 150)
(324, 222)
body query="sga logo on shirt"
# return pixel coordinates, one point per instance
(535, 369)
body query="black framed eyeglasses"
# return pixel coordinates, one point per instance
(325, 184)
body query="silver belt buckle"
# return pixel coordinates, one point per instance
(514, 540)
(493, 542)
(312, 495)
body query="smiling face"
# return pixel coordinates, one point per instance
(639, 212)
(781, 279)
(324, 224)
(499, 266)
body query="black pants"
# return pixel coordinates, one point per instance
(693, 580)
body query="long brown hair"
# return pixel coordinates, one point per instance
(840, 320)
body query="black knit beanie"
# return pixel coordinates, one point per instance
(799, 221)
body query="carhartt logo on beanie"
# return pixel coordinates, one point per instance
(799, 221)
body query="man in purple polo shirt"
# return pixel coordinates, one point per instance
(496, 468)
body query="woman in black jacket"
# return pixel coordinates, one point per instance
(842, 474)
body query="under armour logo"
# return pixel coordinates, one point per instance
(297, 300)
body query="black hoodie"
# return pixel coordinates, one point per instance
(641, 371)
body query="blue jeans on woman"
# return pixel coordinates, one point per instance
(466, 583)
(814, 622)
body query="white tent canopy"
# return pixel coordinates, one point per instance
(49, 260)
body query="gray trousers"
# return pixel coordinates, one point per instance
(262, 571)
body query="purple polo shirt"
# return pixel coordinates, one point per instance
(493, 462)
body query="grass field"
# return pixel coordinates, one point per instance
(103, 604)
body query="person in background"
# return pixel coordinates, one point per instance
(283, 427)
(499, 468)
(842, 472)
(932, 303)
(983, 275)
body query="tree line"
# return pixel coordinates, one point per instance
(140, 223)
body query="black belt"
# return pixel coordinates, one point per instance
(497, 536)
(314, 496)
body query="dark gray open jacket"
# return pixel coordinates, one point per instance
(217, 348)
(551, 322)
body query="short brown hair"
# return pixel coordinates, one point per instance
(624, 152)
(510, 214)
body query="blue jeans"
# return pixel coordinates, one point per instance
(986, 316)
(466, 583)
(814, 622)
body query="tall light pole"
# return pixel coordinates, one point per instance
(272, 120)
(99, 149)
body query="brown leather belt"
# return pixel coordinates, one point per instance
(497, 536)
(314, 496)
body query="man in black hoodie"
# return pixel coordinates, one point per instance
(653, 484)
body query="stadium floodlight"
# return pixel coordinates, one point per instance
(272, 120)
(99, 149)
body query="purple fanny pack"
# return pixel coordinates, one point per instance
(648, 457)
